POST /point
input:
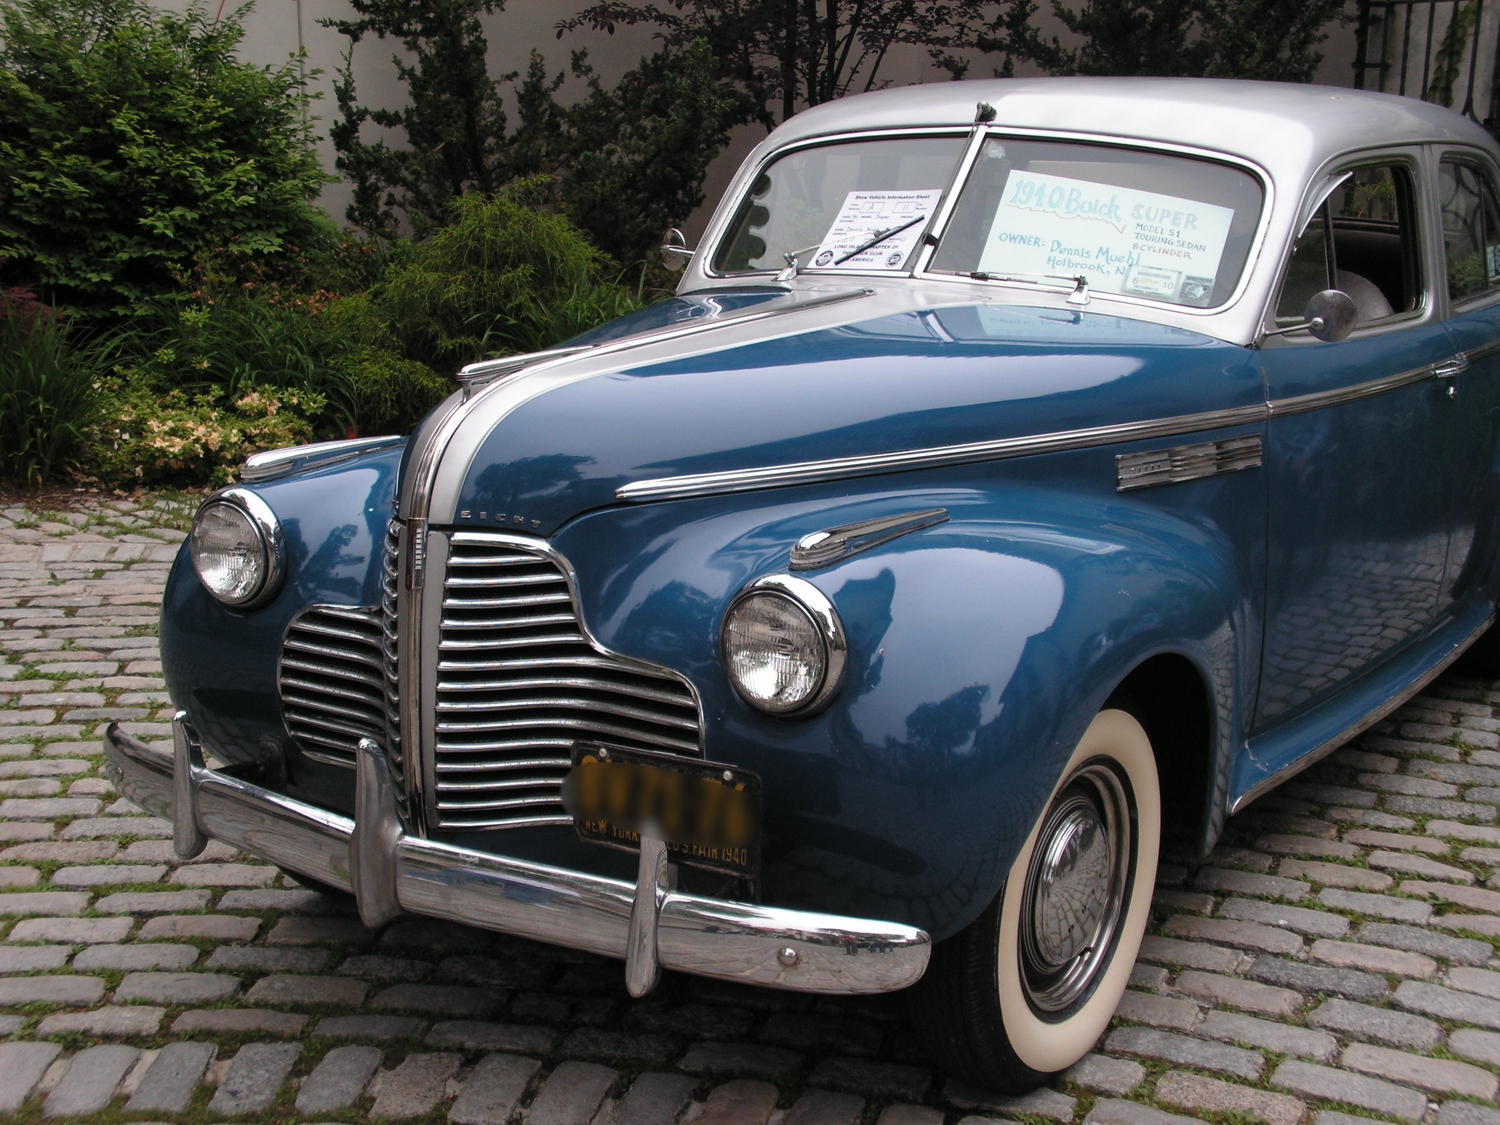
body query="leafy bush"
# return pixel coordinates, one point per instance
(151, 437)
(47, 395)
(506, 275)
(131, 138)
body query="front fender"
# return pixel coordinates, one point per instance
(980, 649)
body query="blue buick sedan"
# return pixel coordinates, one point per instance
(1024, 472)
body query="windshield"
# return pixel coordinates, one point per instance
(1139, 223)
(1143, 224)
(854, 205)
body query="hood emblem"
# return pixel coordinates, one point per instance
(500, 519)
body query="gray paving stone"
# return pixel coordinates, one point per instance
(301, 991)
(1192, 954)
(43, 902)
(238, 1022)
(1415, 939)
(1441, 1076)
(90, 1080)
(1376, 906)
(1376, 1025)
(740, 1058)
(1317, 923)
(1044, 1102)
(152, 902)
(475, 1035)
(1373, 958)
(437, 999)
(1114, 1111)
(114, 1022)
(1182, 1050)
(909, 1115)
(1308, 978)
(338, 1080)
(631, 1050)
(1241, 935)
(654, 1099)
(68, 991)
(254, 1078)
(1204, 1095)
(1271, 1035)
(177, 988)
(821, 1107)
(269, 959)
(877, 1079)
(218, 927)
(168, 1085)
(33, 958)
(1447, 1003)
(369, 1027)
(1105, 1074)
(22, 1066)
(1335, 1085)
(1237, 993)
(137, 955)
(1481, 1046)
(1159, 1011)
(740, 1102)
(495, 1088)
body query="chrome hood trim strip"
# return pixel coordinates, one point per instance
(1002, 449)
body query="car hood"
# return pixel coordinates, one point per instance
(729, 383)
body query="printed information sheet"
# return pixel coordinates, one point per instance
(1121, 240)
(900, 216)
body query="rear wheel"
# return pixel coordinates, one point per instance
(1026, 989)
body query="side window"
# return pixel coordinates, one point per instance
(1471, 229)
(1363, 240)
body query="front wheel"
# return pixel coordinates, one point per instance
(1026, 989)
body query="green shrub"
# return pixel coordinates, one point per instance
(47, 393)
(130, 138)
(506, 275)
(151, 437)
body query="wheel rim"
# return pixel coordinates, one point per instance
(1075, 888)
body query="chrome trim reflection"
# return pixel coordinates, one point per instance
(1183, 463)
(812, 472)
(824, 548)
(274, 463)
(799, 950)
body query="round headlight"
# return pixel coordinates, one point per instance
(236, 547)
(783, 645)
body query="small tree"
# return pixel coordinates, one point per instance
(454, 122)
(780, 55)
(1266, 39)
(132, 138)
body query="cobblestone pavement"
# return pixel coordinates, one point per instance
(1333, 961)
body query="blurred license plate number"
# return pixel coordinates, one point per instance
(707, 813)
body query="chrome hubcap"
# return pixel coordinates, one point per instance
(1075, 888)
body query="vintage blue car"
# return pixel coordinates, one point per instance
(1023, 470)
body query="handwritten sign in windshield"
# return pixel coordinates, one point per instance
(876, 229)
(1120, 239)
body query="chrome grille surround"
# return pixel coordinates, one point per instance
(518, 680)
(390, 580)
(331, 681)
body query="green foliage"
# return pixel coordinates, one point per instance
(1265, 39)
(47, 395)
(151, 437)
(131, 138)
(505, 275)
(454, 123)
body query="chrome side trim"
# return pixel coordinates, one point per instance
(1301, 404)
(811, 472)
(472, 376)
(824, 548)
(1183, 463)
(1353, 730)
(799, 950)
(274, 463)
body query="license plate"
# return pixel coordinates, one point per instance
(707, 813)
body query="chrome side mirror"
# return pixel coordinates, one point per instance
(674, 250)
(1330, 315)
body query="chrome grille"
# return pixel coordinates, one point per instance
(389, 581)
(330, 679)
(518, 682)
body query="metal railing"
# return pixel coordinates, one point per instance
(1441, 51)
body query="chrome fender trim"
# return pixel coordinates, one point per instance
(649, 925)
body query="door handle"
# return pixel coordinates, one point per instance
(1450, 368)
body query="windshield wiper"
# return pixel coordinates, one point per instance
(879, 237)
(1080, 283)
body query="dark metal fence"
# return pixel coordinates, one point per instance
(1439, 50)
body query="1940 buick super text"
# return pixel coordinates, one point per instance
(1017, 460)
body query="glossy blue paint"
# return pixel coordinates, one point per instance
(932, 377)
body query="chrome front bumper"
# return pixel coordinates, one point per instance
(648, 924)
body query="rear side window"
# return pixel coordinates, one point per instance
(1471, 229)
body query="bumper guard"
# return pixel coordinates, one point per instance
(650, 925)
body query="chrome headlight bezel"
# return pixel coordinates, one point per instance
(266, 539)
(825, 639)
